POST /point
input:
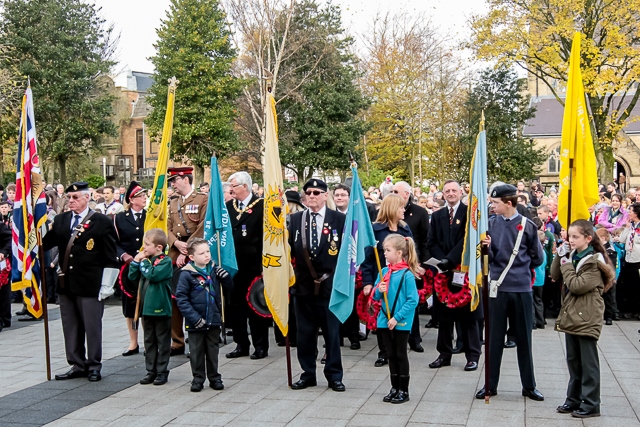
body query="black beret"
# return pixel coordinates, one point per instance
(316, 184)
(505, 190)
(77, 186)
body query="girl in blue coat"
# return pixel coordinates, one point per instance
(198, 296)
(395, 321)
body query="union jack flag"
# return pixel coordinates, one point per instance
(29, 212)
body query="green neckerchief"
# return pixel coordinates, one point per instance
(206, 272)
(578, 256)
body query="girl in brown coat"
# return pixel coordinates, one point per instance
(584, 268)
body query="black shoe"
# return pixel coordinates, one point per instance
(616, 317)
(161, 379)
(238, 352)
(259, 354)
(176, 351)
(540, 326)
(217, 385)
(380, 362)
(70, 374)
(29, 318)
(22, 312)
(533, 394)
(229, 333)
(400, 397)
(417, 348)
(395, 385)
(431, 324)
(456, 350)
(566, 409)
(581, 413)
(608, 322)
(302, 384)
(132, 352)
(148, 379)
(471, 366)
(439, 363)
(392, 393)
(94, 375)
(196, 387)
(280, 343)
(509, 344)
(481, 394)
(355, 346)
(337, 386)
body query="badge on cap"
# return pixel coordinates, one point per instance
(75, 188)
(315, 183)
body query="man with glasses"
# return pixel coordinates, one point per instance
(417, 218)
(187, 210)
(86, 241)
(245, 212)
(315, 236)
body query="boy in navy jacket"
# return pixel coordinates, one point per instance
(198, 296)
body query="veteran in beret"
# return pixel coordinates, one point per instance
(187, 209)
(315, 236)
(86, 241)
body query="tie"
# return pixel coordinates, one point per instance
(240, 205)
(76, 222)
(137, 217)
(450, 216)
(314, 234)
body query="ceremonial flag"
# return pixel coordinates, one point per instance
(477, 217)
(158, 205)
(578, 171)
(357, 235)
(29, 212)
(217, 227)
(277, 271)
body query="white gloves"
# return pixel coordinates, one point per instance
(564, 249)
(109, 276)
(105, 292)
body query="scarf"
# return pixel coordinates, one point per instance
(206, 276)
(613, 214)
(394, 267)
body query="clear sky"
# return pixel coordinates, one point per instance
(137, 20)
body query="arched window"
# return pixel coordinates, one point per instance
(553, 163)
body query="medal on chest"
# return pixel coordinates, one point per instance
(244, 230)
(333, 248)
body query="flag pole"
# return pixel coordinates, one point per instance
(484, 259)
(386, 300)
(224, 322)
(45, 310)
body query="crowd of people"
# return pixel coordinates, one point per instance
(538, 271)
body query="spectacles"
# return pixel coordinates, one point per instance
(398, 192)
(314, 192)
(237, 185)
(74, 197)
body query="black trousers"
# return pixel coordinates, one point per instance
(204, 348)
(351, 327)
(241, 314)
(538, 306)
(396, 344)
(610, 304)
(628, 288)
(82, 320)
(584, 373)
(51, 277)
(469, 333)
(551, 298)
(312, 312)
(518, 308)
(292, 325)
(157, 343)
(5, 305)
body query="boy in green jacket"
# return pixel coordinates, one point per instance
(154, 270)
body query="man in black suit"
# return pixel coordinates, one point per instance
(89, 268)
(129, 227)
(417, 218)
(315, 236)
(445, 242)
(245, 211)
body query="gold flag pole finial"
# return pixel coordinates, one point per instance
(173, 83)
(482, 121)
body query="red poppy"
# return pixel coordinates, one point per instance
(249, 211)
(85, 226)
(519, 227)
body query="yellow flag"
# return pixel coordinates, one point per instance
(277, 271)
(578, 170)
(158, 207)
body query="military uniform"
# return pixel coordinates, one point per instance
(185, 221)
(129, 231)
(91, 271)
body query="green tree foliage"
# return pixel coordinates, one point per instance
(499, 92)
(67, 51)
(194, 46)
(318, 123)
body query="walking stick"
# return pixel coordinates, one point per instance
(484, 260)
(224, 323)
(386, 300)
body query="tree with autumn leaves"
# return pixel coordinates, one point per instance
(536, 35)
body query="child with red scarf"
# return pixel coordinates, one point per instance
(396, 316)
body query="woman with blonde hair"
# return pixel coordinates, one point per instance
(389, 221)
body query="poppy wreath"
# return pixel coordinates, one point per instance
(368, 309)
(4, 275)
(427, 286)
(448, 298)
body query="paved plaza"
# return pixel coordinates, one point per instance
(256, 391)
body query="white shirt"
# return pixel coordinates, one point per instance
(246, 201)
(110, 209)
(319, 222)
(136, 213)
(82, 215)
(455, 209)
